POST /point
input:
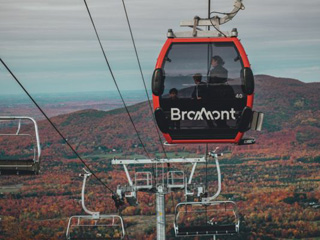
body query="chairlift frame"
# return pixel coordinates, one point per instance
(132, 185)
(139, 178)
(161, 189)
(211, 229)
(29, 166)
(95, 216)
(208, 201)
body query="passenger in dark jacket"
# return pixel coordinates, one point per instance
(220, 90)
(218, 74)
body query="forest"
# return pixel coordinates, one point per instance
(275, 182)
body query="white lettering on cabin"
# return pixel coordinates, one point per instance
(203, 114)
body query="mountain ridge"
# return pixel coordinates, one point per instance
(291, 110)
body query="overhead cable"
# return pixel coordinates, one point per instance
(143, 79)
(115, 82)
(55, 128)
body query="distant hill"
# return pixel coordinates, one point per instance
(291, 107)
(275, 182)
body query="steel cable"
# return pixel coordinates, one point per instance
(115, 82)
(55, 128)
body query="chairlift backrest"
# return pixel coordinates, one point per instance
(143, 180)
(17, 164)
(176, 179)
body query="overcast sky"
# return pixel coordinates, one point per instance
(51, 47)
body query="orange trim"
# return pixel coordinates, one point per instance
(163, 53)
(238, 137)
(167, 137)
(156, 102)
(250, 101)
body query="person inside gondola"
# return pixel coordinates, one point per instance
(219, 88)
(200, 94)
(220, 92)
(218, 74)
(199, 91)
(174, 103)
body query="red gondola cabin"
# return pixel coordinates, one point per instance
(203, 90)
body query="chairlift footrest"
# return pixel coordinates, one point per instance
(207, 230)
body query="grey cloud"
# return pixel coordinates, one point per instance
(59, 33)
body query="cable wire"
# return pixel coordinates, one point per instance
(143, 79)
(115, 82)
(224, 13)
(55, 128)
(145, 86)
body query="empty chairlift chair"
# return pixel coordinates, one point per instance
(94, 225)
(176, 180)
(143, 181)
(207, 217)
(15, 133)
(204, 219)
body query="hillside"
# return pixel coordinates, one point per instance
(274, 182)
(291, 107)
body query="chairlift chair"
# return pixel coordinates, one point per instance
(143, 180)
(207, 217)
(104, 227)
(176, 180)
(94, 225)
(16, 164)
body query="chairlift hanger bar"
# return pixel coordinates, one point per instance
(216, 20)
(95, 216)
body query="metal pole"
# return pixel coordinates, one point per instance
(161, 214)
(209, 11)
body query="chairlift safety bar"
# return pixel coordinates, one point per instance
(156, 161)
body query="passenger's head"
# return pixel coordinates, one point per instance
(173, 93)
(197, 78)
(216, 60)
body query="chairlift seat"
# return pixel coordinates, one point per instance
(87, 227)
(19, 167)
